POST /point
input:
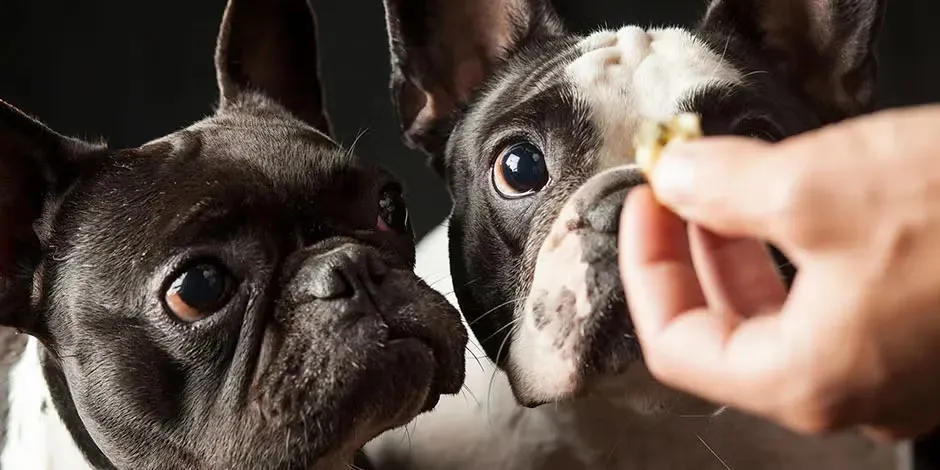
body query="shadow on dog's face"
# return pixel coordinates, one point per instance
(238, 294)
(532, 128)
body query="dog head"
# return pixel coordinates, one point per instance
(238, 294)
(531, 127)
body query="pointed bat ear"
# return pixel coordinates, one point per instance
(36, 164)
(826, 48)
(443, 50)
(269, 47)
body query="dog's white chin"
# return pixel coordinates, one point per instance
(544, 375)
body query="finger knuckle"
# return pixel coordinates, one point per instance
(794, 207)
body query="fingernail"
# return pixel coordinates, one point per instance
(673, 177)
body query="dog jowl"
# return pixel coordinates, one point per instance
(238, 294)
(531, 127)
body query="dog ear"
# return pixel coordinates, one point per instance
(825, 48)
(443, 50)
(270, 47)
(36, 164)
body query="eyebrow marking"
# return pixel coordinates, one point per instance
(199, 211)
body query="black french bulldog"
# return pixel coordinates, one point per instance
(236, 295)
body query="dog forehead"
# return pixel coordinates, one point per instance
(243, 148)
(605, 84)
(632, 74)
(247, 163)
(269, 141)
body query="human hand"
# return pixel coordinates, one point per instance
(856, 207)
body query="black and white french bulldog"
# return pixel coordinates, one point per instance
(531, 128)
(236, 295)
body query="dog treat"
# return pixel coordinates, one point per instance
(653, 136)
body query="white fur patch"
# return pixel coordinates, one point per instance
(543, 368)
(634, 74)
(36, 439)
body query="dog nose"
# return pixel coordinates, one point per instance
(604, 215)
(599, 201)
(344, 272)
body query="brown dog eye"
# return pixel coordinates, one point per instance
(198, 292)
(393, 213)
(520, 171)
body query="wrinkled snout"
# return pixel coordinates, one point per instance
(575, 326)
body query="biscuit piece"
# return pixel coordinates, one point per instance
(653, 136)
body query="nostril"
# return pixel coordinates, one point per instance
(331, 284)
(343, 272)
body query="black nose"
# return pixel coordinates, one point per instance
(604, 215)
(342, 272)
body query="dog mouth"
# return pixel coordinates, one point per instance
(359, 364)
(420, 341)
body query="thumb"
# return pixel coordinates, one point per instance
(730, 185)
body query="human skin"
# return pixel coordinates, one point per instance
(856, 207)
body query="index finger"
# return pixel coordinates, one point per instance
(656, 263)
(686, 345)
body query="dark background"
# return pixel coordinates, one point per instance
(129, 71)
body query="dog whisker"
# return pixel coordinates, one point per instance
(713, 452)
(472, 395)
(448, 293)
(479, 351)
(414, 427)
(517, 299)
(613, 448)
(472, 281)
(507, 325)
(352, 148)
(721, 59)
(489, 390)
(439, 280)
(454, 291)
(474, 356)
(755, 72)
(408, 435)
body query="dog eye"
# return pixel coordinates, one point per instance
(198, 292)
(393, 213)
(520, 171)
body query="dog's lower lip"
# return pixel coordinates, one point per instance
(413, 341)
(440, 379)
(394, 341)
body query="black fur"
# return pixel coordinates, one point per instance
(285, 375)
